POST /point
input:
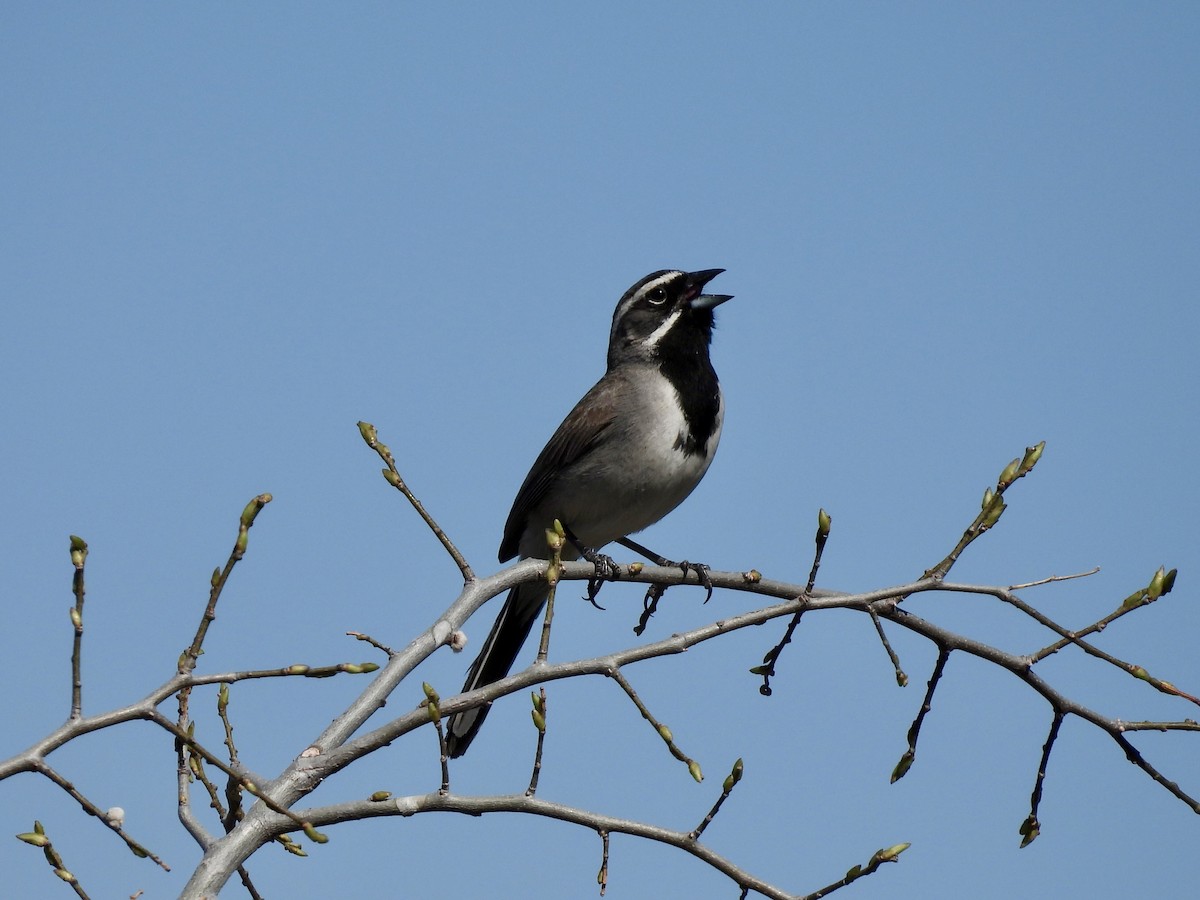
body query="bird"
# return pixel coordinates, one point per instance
(629, 452)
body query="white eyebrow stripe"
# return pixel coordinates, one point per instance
(641, 292)
(660, 332)
(661, 279)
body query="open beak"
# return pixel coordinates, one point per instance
(696, 283)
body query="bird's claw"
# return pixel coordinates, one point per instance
(593, 591)
(606, 570)
(701, 571)
(655, 591)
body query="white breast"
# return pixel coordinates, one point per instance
(612, 495)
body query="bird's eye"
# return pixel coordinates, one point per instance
(658, 296)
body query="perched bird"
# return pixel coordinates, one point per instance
(628, 453)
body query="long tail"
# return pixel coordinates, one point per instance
(499, 652)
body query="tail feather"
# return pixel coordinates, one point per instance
(496, 658)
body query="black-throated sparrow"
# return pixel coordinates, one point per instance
(628, 453)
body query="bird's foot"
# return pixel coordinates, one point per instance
(606, 570)
(701, 571)
(655, 591)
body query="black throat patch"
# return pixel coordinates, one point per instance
(683, 359)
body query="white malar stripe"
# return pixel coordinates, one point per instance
(660, 332)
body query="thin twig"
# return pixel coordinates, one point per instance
(392, 475)
(1031, 827)
(891, 854)
(663, 731)
(553, 571)
(244, 877)
(38, 838)
(823, 524)
(767, 669)
(602, 875)
(233, 789)
(211, 758)
(901, 677)
(79, 552)
(1135, 757)
(992, 508)
(731, 780)
(1053, 579)
(538, 714)
(914, 730)
(359, 636)
(187, 662)
(433, 707)
(443, 756)
(1020, 667)
(1076, 637)
(44, 768)
(223, 714)
(195, 765)
(1185, 725)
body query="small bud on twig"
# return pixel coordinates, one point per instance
(734, 776)
(1032, 455)
(79, 551)
(369, 434)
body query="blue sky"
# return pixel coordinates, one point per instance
(952, 230)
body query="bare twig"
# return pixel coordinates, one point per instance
(767, 669)
(245, 783)
(991, 509)
(1185, 725)
(115, 823)
(1135, 601)
(1161, 584)
(914, 730)
(244, 877)
(194, 765)
(602, 875)
(79, 552)
(891, 854)
(901, 677)
(823, 524)
(1031, 827)
(734, 776)
(538, 714)
(432, 705)
(392, 475)
(1135, 757)
(359, 636)
(555, 538)
(187, 661)
(1053, 579)
(38, 838)
(663, 731)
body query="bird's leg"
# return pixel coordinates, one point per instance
(606, 567)
(700, 569)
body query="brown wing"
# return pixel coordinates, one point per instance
(579, 432)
